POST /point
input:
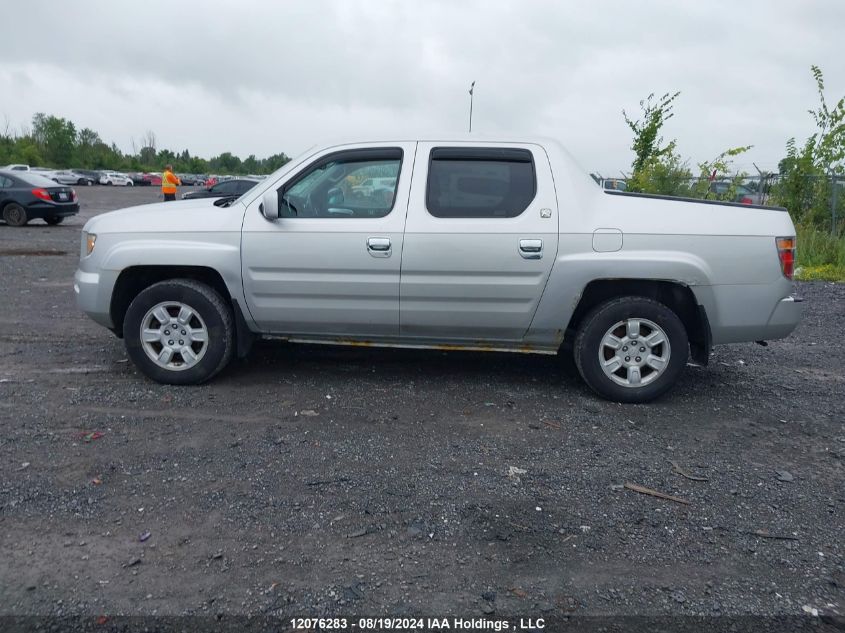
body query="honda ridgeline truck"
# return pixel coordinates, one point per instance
(479, 244)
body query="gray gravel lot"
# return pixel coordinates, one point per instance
(312, 480)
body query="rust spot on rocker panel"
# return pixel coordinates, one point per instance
(478, 346)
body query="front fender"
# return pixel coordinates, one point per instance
(222, 255)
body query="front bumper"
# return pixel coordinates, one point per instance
(93, 296)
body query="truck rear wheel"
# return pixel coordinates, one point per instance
(179, 332)
(631, 349)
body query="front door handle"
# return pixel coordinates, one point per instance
(531, 249)
(379, 246)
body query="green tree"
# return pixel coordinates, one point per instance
(250, 164)
(665, 173)
(272, 163)
(147, 157)
(660, 169)
(719, 169)
(804, 187)
(55, 142)
(86, 141)
(647, 140)
(55, 137)
(226, 163)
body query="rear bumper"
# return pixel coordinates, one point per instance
(750, 312)
(47, 209)
(785, 317)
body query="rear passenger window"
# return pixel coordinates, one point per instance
(480, 182)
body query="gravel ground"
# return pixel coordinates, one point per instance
(312, 480)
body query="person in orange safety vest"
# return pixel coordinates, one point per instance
(169, 182)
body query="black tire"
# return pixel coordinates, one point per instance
(588, 349)
(15, 215)
(208, 305)
(53, 220)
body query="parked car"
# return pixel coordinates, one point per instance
(139, 179)
(116, 178)
(93, 174)
(153, 179)
(234, 187)
(615, 184)
(191, 180)
(372, 186)
(68, 177)
(15, 167)
(26, 196)
(493, 246)
(741, 193)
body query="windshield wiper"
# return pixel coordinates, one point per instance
(225, 202)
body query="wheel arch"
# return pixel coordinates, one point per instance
(134, 279)
(677, 296)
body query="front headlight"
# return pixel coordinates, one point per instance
(90, 241)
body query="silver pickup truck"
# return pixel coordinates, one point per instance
(478, 244)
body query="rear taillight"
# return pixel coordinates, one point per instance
(746, 200)
(42, 193)
(786, 254)
(73, 194)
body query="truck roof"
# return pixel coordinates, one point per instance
(440, 138)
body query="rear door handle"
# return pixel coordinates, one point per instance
(531, 249)
(379, 246)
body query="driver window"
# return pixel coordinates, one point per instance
(353, 184)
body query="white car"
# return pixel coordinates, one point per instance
(16, 167)
(372, 186)
(115, 178)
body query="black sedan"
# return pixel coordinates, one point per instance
(225, 189)
(25, 196)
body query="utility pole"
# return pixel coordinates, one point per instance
(471, 90)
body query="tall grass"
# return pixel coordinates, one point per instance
(821, 256)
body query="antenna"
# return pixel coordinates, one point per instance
(471, 90)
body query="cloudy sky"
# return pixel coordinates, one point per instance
(263, 77)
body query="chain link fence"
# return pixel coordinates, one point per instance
(820, 199)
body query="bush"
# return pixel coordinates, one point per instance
(821, 256)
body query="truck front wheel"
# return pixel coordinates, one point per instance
(179, 332)
(631, 349)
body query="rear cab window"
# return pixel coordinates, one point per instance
(468, 182)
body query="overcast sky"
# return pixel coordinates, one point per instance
(264, 77)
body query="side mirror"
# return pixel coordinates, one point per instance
(270, 205)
